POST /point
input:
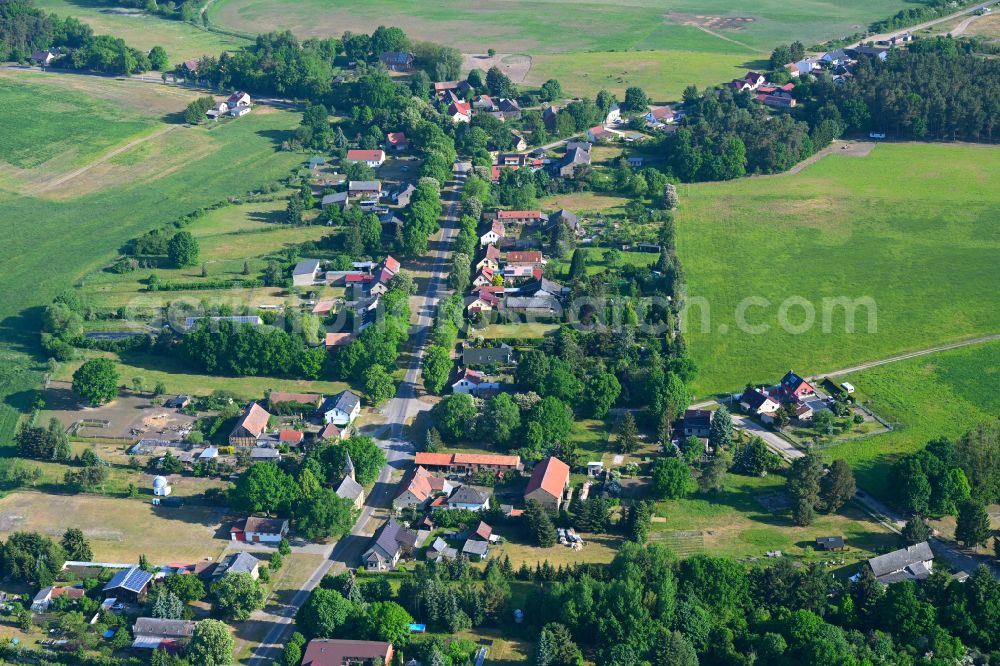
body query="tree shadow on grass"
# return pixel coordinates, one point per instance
(277, 137)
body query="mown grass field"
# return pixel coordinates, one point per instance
(552, 26)
(910, 226)
(939, 395)
(662, 74)
(736, 523)
(55, 237)
(144, 31)
(137, 528)
(597, 263)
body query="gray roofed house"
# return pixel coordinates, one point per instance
(476, 550)
(264, 453)
(502, 355)
(401, 197)
(573, 159)
(543, 287)
(469, 497)
(390, 542)
(336, 199)
(912, 563)
(362, 187)
(440, 550)
(341, 409)
(542, 305)
(397, 61)
(570, 218)
(305, 272)
(151, 632)
(238, 563)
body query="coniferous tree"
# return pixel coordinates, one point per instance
(972, 527)
(803, 488)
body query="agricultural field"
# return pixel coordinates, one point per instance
(910, 228)
(938, 395)
(663, 74)
(66, 216)
(140, 30)
(747, 519)
(138, 528)
(553, 26)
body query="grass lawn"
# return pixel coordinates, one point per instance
(179, 379)
(553, 26)
(143, 31)
(596, 262)
(184, 534)
(534, 330)
(662, 74)
(599, 549)
(57, 237)
(736, 524)
(910, 226)
(580, 202)
(939, 395)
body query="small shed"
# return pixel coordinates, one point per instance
(830, 543)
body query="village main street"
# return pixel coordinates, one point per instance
(389, 435)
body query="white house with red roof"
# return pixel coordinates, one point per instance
(795, 387)
(758, 403)
(397, 141)
(484, 278)
(495, 233)
(491, 259)
(373, 158)
(474, 383)
(460, 112)
(484, 300)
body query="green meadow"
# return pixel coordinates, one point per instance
(938, 395)
(911, 227)
(552, 26)
(144, 31)
(73, 223)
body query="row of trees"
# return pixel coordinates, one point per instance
(231, 348)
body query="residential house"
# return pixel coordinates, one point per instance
(507, 109)
(548, 483)
(634, 161)
(238, 98)
(264, 452)
(544, 287)
(369, 189)
(490, 260)
(330, 431)
(484, 103)
(467, 463)
(482, 301)
(401, 197)
(517, 272)
(835, 58)
(439, 550)
(472, 382)
(751, 81)
(349, 487)
(220, 109)
(493, 236)
(129, 585)
(572, 160)
(879, 52)
(530, 258)
(44, 57)
(470, 498)
(153, 633)
(542, 305)
(519, 216)
(250, 426)
(758, 403)
(658, 116)
(795, 388)
(341, 409)
(570, 219)
(613, 116)
(600, 133)
(911, 563)
(336, 652)
(396, 61)
(373, 158)
(305, 273)
(254, 529)
(511, 159)
(295, 402)
(239, 111)
(43, 600)
(519, 142)
(502, 355)
(237, 563)
(397, 141)
(417, 488)
(291, 437)
(391, 542)
(484, 278)
(460, 112)
(697, 422)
